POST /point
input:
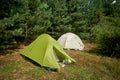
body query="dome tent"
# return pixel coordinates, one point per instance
(71, 41)
(43, 50)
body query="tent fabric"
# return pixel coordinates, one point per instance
(71, 41)
(43, 51)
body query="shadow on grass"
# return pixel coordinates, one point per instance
(101, 52)
(31, 61)
(9, 50)
(38, 65)
(5, 52)
(96, 51)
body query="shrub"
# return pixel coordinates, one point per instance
(107, 39)
(85, 35)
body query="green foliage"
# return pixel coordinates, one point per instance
(9, 30)
(107, 39)
(12, 25)
(110, 9)
(21, 19)
(8, 7)
(85, 35)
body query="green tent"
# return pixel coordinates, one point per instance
(44, 50)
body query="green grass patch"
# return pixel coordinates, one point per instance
(113, 66)
(81, 73)
(6, 71)
(9, 67)
(37, 72)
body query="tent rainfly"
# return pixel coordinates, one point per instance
(44, 50)
(71, 41)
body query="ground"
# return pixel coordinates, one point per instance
(88, 66)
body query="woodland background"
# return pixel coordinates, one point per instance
(98, 21)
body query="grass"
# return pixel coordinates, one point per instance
(37, 72)
(7, 70)
(8, 67)
(88, 67)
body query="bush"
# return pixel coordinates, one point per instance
(107, 39)
(85, 35)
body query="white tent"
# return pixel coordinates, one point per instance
(71, 41)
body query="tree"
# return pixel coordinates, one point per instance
(11, 25)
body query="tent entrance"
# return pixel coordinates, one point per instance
(56, 57)
(61, 64)
(61, 60)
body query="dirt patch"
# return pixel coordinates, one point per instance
(89, 45)
(13, 57)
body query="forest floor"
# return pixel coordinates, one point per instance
(89, 66)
